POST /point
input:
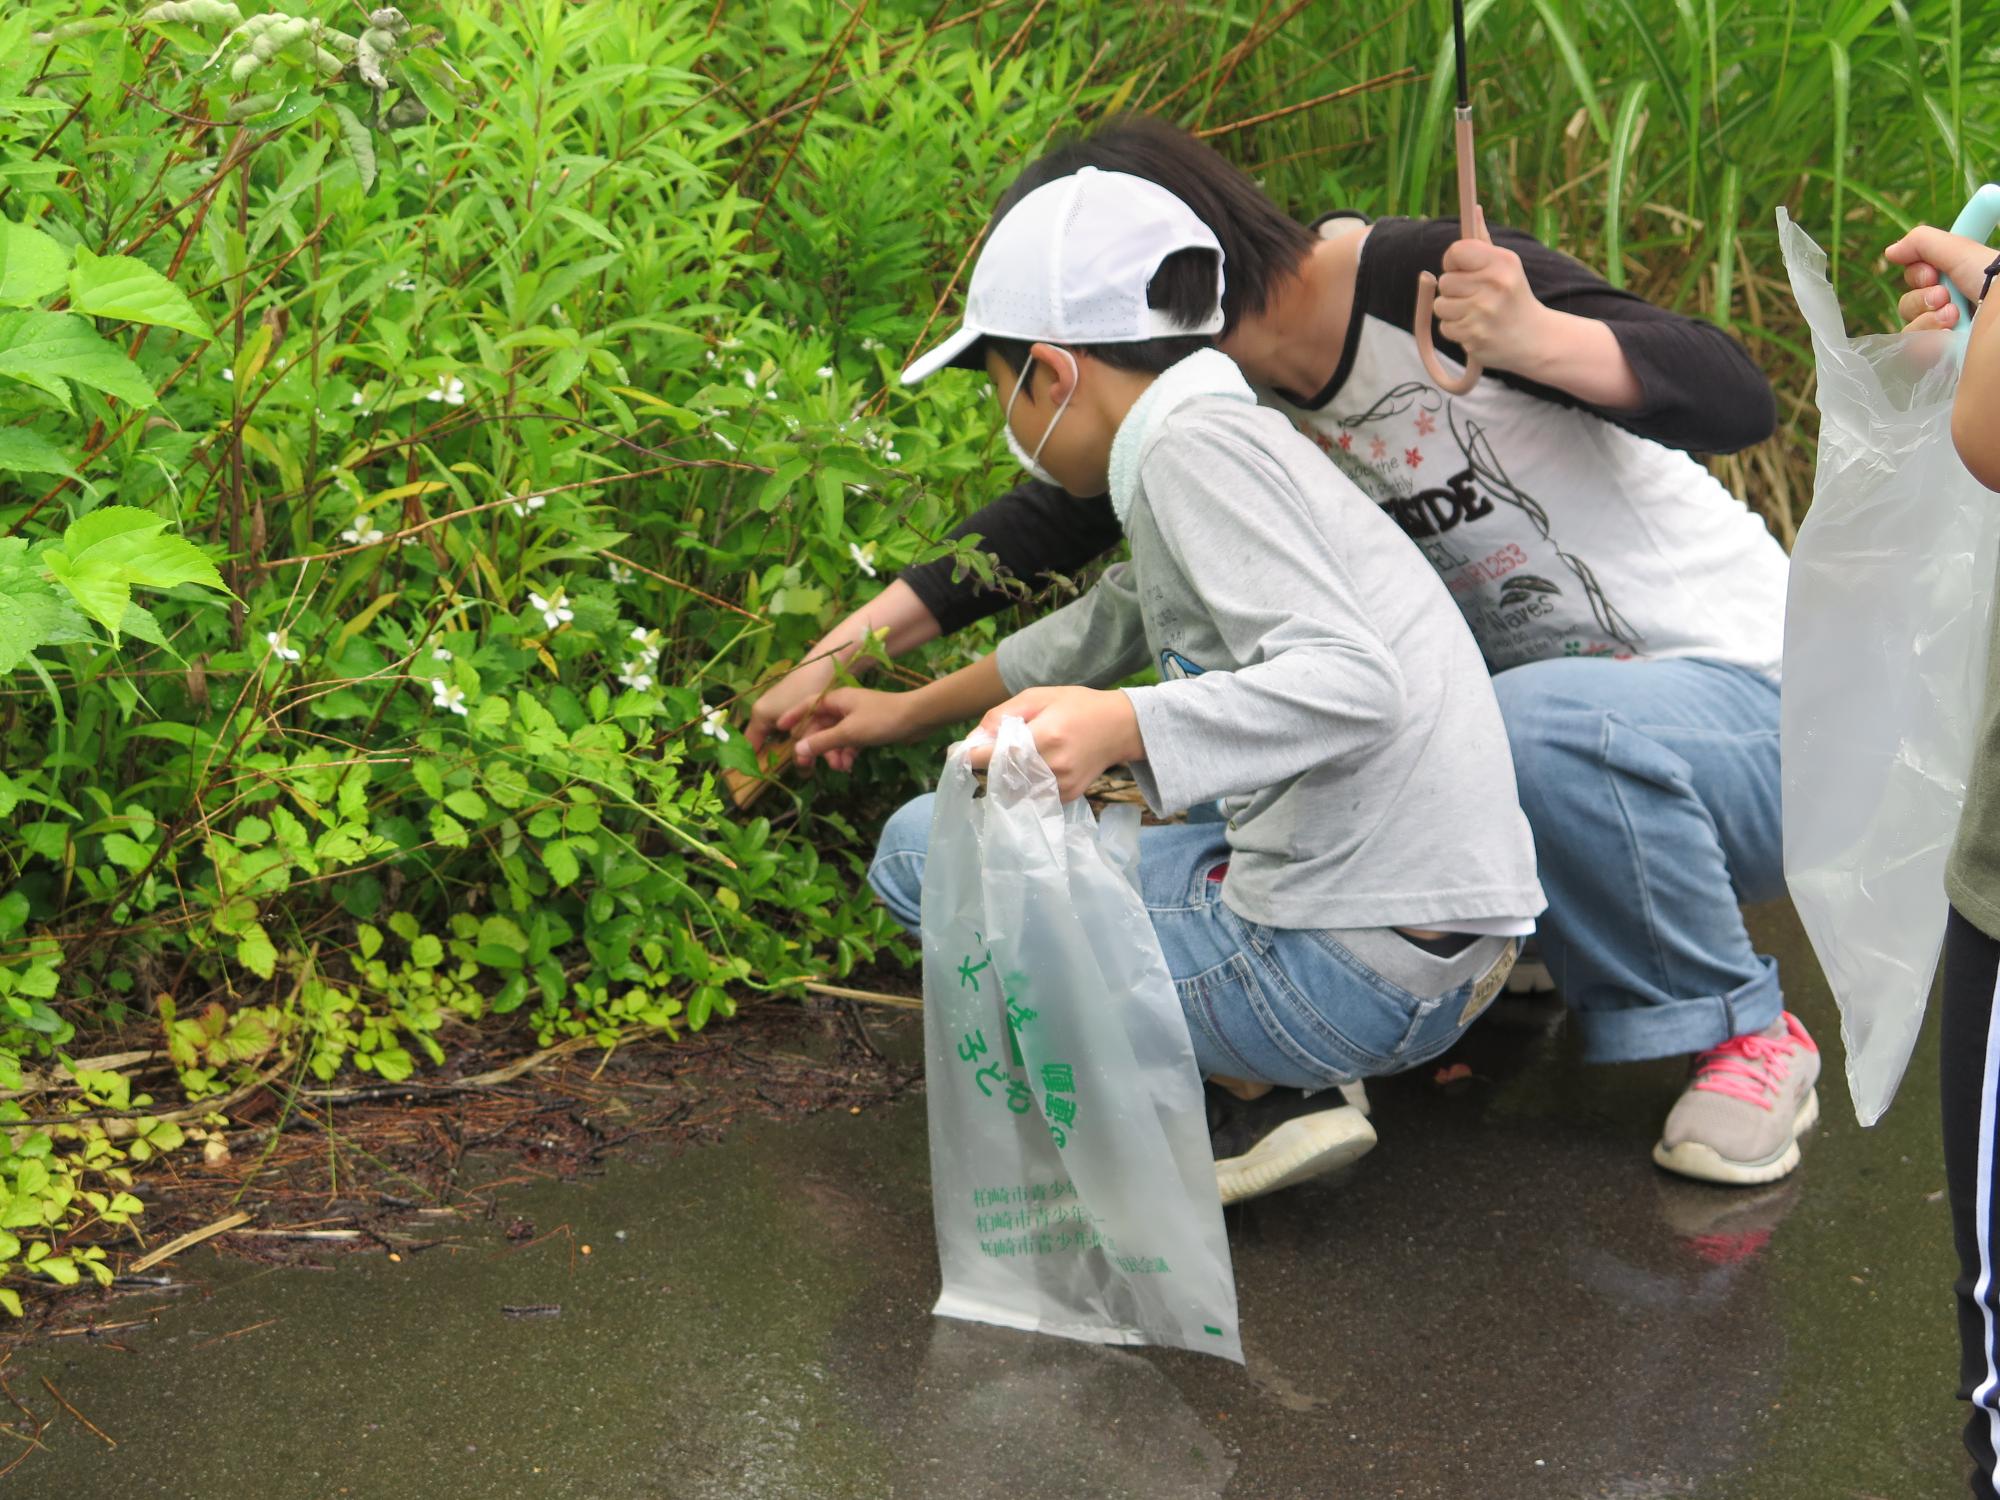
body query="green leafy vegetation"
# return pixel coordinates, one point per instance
(420, 435)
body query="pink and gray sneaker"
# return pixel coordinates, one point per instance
(1742, 1115)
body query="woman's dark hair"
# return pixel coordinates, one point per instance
(1183, 287)
(1262, 245)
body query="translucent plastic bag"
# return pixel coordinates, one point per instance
(1071, 1174)
(1885, 654)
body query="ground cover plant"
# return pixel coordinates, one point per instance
(484, 401)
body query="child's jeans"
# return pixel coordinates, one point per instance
(1305, 1008)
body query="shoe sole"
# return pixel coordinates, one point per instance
(1705, 1164)
(1530, 977)
(1297, 1151)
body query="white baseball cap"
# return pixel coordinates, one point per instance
(1070, 264)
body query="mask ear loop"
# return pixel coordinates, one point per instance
(1075, 379)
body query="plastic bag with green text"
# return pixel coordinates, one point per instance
(1071, 1175)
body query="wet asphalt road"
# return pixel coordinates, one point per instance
(1505, 1300)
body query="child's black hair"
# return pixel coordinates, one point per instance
(1262, 245)
(1183, 287)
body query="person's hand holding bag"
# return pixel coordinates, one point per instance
(1080, 732)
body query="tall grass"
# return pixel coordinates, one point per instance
(1652, 139)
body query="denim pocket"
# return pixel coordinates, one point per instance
(1359, 1022)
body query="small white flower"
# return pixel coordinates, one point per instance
(771, 393)
(280, 648)
(635, 676)
(363, 533)
(714, 726)
(892, 455)
(228, 374)
(355, 399)
(826, 372)
(524, 504)
(445, 696)
(871, 344)
(711, 356)
(864, 557)
(554, 610)
(750, 379)
(620, 573)
(440, 653)
(450, 392)
(403, 284)
(422, 170)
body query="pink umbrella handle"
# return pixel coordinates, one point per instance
(1471, 226)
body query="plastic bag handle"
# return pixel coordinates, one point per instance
(1976, 221)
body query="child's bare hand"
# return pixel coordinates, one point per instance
(786, 701)
(1079, 731)
(1930, 257)
(1485, 305)
(845, 721)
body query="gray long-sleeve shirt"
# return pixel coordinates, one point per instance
(1317, 678)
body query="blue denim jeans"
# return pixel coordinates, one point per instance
(1653, 792)
(1302, 1008)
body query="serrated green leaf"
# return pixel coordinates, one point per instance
(467, 804)
(562, 863)
(47, 350)
(31, 265)
(255, 951)
(27, 452)
(126, 288)
(32, 613)
(116, 547)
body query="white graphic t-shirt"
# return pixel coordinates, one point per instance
(1557, 532)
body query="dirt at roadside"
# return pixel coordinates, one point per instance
(391, 1170)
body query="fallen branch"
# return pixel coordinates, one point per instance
(191, 1238)
(480, 1081)
(873, 997)
(64, 1402)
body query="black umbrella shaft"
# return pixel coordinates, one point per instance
(1458, 37)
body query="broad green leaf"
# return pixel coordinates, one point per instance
(126, 852)
(123, 287)
(27, 452)
(563, 867)
(359, 142)
(31, 265)
(116, 547)
(255, 951)
(393, 1063)
(32, 613)
(140, 622)
(46, 350)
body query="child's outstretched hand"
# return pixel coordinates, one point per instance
(1930, 257)
(1080, 732)
(836, 727)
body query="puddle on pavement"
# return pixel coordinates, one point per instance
(1505, 1300)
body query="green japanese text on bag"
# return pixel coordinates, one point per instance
(1071, 1174)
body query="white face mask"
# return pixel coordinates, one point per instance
(1032, 461)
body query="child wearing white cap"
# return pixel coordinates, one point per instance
(1361, 900)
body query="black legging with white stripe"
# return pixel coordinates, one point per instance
(1970, 1072)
